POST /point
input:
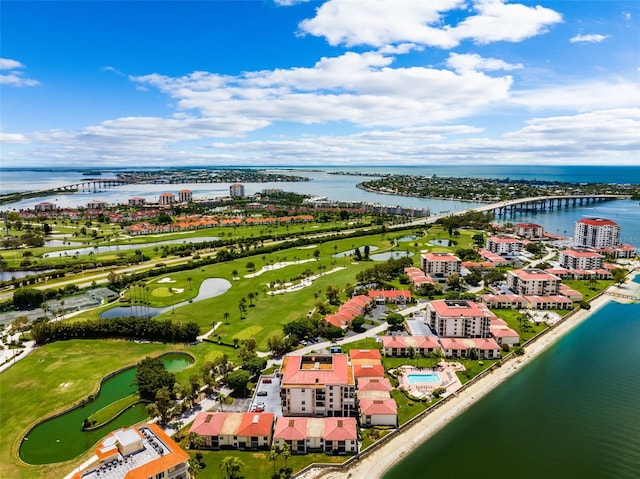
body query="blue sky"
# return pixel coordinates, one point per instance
(333, 82)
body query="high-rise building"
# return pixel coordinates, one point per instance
(185, 196)
(236, 190)
(596, 233)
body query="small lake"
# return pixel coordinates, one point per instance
(210, 288)
(9, 275)
(440, 242)
(61, 438)
(352, 252)
(126, 247)
(390, 255)
(404, 239)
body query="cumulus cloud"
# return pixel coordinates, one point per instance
(593, 38)
(360, 88)
(474, 62)
(382, 22)
(14, 77)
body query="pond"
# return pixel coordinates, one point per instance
(440, 242)
(61, 438)
(390, 255)
(352, 252)
(404, 239)
(125, 247)
(9, 275)
(210, 288)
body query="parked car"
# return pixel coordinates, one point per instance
(267, 380)
(261, 393)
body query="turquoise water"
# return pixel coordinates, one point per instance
(62, 438)
(418, 378)
(573, 412)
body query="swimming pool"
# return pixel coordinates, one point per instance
(418, 378)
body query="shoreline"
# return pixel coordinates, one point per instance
(380, 461)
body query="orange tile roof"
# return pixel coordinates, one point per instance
(340, 372)
(371, 407)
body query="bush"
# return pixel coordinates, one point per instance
(585, 305)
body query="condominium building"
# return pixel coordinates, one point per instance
(144, 451)
(235, 430)
(185, 196)
(577, 258)
(236, 190)
(533, 281)
(309, 434)
(458, 318)
(166, 199)
(318, 385)
(529, 230)
(596, 233)
(440, 265)
(504, 245)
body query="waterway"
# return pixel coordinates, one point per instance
(62, 438)
(573, 412)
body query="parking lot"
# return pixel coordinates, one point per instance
(267, 396)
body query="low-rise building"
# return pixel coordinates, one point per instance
(503, 301)
(378, 412)
(554, 301)
(579, 258)
(137, 452)
(502, 333)
(529, 230)
(532, 281)
(308, 434)
(234, 430)
(403, 346)
(390, 296)
(485, 348)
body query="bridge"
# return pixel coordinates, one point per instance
(543, 203)
(93, 184)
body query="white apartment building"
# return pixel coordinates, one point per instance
(185, 196)
(504, 245)
(236, 190)
(596, 233)
(529, 230)
(439, 266)
(576, 258)
(459, 318)
(166, 199)
(318, 385)
(533, 281)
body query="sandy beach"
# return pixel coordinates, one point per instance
(376, 464)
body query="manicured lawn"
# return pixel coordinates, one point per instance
(107, 413)
(511, 317)
(56, 376)
(407, 408)
(587, 288)
(473, 368)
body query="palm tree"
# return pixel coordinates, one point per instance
(273, 457)
(286, 454)
(226, 316)
(189, 279)
(231, 466)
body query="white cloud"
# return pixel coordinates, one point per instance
(382, 22)
(8, 64)
(581, 96)
(14, 77)
(593, 38)
(474, 62)
(360, 88)
(13, 138)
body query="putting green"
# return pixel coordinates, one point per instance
(161, 292)
(249, 332)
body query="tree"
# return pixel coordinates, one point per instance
(273, 457)
(357, 324)
(395, 320)
(454, 281)
(251, 266)
(332, 294)
(286, 454)
(619, 275)
(151, 376)
(316, 253)
(238, 380)
(196, 441)
(163, 403)
(231, 466)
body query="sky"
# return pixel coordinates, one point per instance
(319, 83)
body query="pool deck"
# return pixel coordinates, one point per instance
(445, 371)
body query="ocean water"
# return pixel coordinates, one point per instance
(573, 412)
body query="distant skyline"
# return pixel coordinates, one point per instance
(332, 83)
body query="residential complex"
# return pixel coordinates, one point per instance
(137, 452)
(532, 281)
(236, 190)
(234, 429)
(458, 318)
(596, 233)
(504, 245)
(578, 258)
(529, 230)
(308, 434)
(439, 266)
(318, 385)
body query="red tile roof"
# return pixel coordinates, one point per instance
(371, 407)
(374, 384)
(597, 222)
(365, 354)
(339, 372)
